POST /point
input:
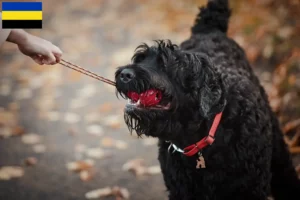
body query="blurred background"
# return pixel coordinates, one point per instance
(62, 134)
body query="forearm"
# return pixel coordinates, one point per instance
(4, 33)
(17, 36)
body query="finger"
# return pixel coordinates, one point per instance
(57, 51)
(58, 58)
(49, 59)
(37, 59)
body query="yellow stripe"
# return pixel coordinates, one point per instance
(22, 15)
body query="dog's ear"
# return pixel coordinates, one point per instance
(208, 85)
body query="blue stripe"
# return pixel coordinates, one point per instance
(21, 6)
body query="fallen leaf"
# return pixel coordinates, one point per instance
(120, 192)
(30, 161)
(106, 107)
(113, 121)
(154, 170)
(81, 165)
(39, 148)
(96, 153)
(92, 117)
(295, 150)
(74, 76)
(107, 142)
(31, 138)
(13, 106)
(78, 103)
(291, 125)
(85, 175)
(72, 118)
(80, 148)
(9, 172)
(295, 139)
(95, 130)
(5, 89)
(87, 91)
(136, 166)
(96, 194)
(119, 144)
(72, 131)
(53, 116)
(18, 131)
(23, 93)
(298, 170)
(5, 132)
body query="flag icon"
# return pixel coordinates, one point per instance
(27, 15)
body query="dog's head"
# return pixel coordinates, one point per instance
(168, 90)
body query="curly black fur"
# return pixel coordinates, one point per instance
(207, 74)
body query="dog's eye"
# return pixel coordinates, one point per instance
(139, 58)
(161, 62)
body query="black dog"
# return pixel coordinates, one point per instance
(218, 137)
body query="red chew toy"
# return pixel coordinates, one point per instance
(148, 98)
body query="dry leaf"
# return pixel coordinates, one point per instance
(85, 175)
(118, 192)
(53, 116)
(78, 103)
(107, 142)
(80, 148)
(295, 150)
(23, 93)
(106, 107)
(72, 118)
(124, 193)
(96, 153)
(81, 165)
(72, 131)
(30, 161)
(95, 130)
(31, 138)
(291, 125)
(18, 131)
(9, 172)
(5, 132)
(87, 91)
(74, 76)
(136, 166)
(92, 117)
(96, 194)
(121, 193)
(5, 89)
(13, 106)
(113, 121)
(119, 144)
(295, 139)
(154, 170)
(39, 148)
(298, 170)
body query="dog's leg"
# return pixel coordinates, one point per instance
(285, 182)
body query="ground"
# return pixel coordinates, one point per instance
(62, 134)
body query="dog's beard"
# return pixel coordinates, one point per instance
(145, 123)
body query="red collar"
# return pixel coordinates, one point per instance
(207, 140)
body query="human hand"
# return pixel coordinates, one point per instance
(40, 50)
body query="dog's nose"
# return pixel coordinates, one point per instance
(127, 75)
